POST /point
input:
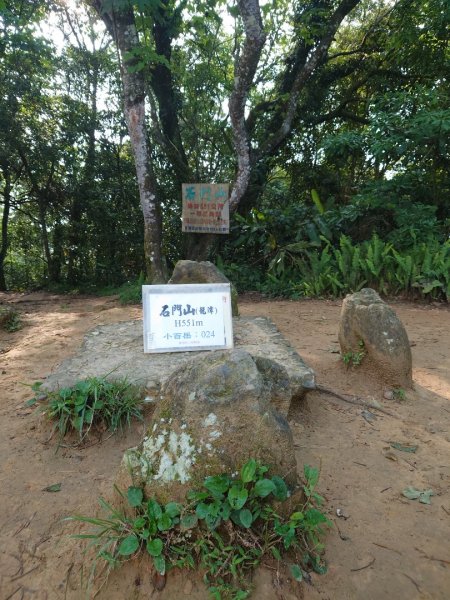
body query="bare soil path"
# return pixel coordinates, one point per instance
(384, 546)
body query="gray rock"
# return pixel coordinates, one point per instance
(117, 351)
(215, 413)
(191, 271)
(365, 317)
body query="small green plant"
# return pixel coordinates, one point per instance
(354, 358)
(94, 403)
(10, 319)
(14, 323)
(226, 528)
(399, 394)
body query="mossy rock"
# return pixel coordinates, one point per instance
(215, 413)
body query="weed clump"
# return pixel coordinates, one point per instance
(354, 358)
(226, 528)
(10, 319)
(91, 404)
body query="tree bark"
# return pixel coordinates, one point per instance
(121, 25)
(5, 220)
(244, 74)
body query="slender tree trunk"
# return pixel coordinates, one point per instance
(44, 235)
(5, 220)
(86, 188)
(122, 27)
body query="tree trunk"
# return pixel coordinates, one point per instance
(122, 27)
(5, 220)
(244, 74)
(44, 235)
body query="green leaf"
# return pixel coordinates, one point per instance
(411, 493)
(311, 475)
(296, 572)
(188, 521)
(139, 523)
(56, 487)
(154, 509)
(237, 497)
(314, 517)
(135, 496)
(264, 487)
(276, 553)
(248, 471)
(160, 564)
(173, 509)
(404, 447)
(78, 423)
(316, 199)
(155, 547)
(217, 485)
(225, 511)
(425, 496)
(201, 510)
(281, 491)
(297, 516)
(246, 517)
(164, 522)
(31, 402)
(288, 538)
(212, 521)
(129, 545)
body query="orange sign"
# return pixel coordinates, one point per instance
(205, 208)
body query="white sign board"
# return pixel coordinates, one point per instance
(183, 317)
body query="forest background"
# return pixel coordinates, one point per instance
(330, 118)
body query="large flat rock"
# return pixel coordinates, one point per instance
(116, 351)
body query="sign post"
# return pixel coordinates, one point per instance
(205, 208)
(187, 317)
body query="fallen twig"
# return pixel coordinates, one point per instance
(26, 573)
(386, 548)
(354, 400)
(14, 593)
(25, 525)
(365, 566)
(443, 560)
(414, 582)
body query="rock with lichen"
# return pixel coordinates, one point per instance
(215, 413)
(370, 327)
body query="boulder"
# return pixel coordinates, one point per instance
(366, 319)
(215, 413)
(191, 271)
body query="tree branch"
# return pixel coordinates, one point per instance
(315, 58)
(244, 74)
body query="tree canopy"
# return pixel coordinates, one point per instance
(328, 118)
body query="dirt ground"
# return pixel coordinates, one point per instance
(383, 545)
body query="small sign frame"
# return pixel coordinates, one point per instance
(187, 317)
